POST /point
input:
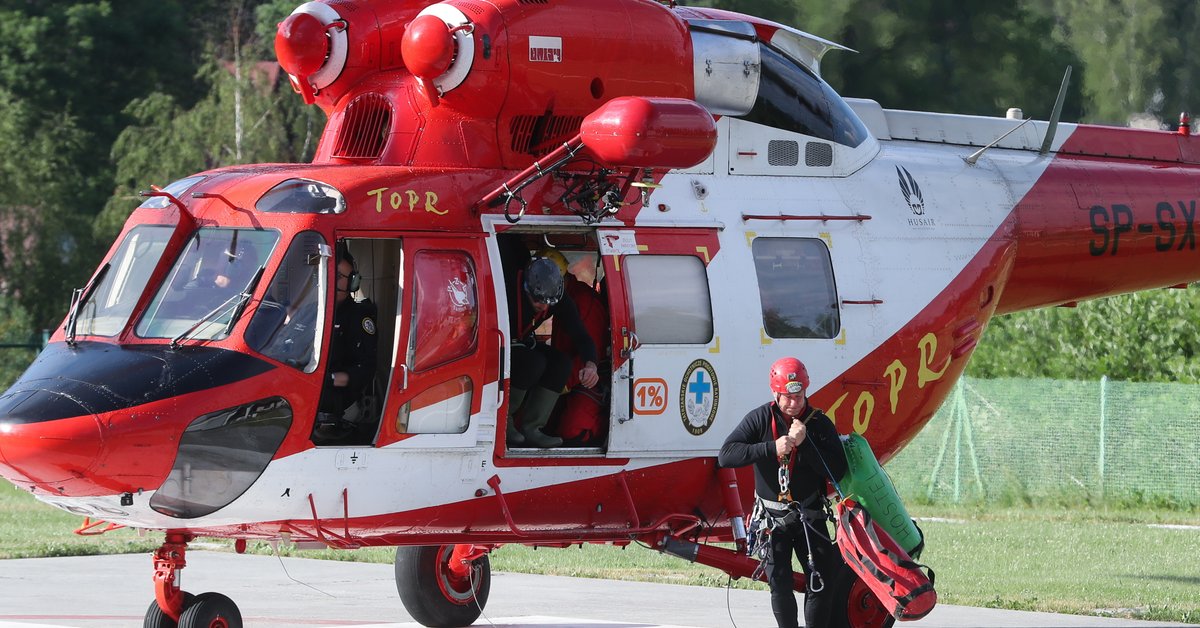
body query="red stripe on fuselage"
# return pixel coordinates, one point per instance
(1098, 226)
(597, 508)
(892, 392)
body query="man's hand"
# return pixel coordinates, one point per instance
(588, 376)
(340, 379)
(797, 432)
(784, 445)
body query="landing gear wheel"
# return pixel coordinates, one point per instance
(434, 594)
(156, 618)
(855, 606)
(211, 610)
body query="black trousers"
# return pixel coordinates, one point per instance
(818, 605)
(541, 365)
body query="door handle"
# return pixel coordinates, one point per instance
(631, 342)
(500, 373)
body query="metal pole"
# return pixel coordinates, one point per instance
(937, 464)
(971, 441)
(958, 433)
(1103, 411)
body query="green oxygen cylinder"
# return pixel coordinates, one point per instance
(869, 485)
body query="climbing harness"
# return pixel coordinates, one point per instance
(768, 516)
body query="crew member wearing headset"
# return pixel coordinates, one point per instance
(351, 356)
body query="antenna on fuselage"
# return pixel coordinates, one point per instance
(1051, 128)
(974, 157)
(1058, 105)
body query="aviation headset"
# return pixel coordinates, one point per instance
(354, 281)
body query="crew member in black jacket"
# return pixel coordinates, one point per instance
(794, 447)
(540, 372)
(352, 354)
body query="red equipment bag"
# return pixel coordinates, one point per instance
(581, 422)
(891, 574)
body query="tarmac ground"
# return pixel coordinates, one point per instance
(114, 591)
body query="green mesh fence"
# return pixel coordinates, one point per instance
(1030, 441)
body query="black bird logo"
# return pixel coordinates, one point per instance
(911, 191)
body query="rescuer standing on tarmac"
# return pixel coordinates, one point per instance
(794, 447)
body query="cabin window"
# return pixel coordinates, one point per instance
(796, 288)
(129, 270)
(670, 299)
(302, 196)
(441, 409)
(285, 325)
(792, 98)
(203, 294)
(175, 189)
(446, 321)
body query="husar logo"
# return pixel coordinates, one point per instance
(914, 198)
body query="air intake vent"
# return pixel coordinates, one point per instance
(468, 7)
(538, 135)
(783, 152)
(365, 126)
(818, 155)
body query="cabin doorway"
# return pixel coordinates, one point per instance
(579, 416)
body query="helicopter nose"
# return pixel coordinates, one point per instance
(56, 456)
(89, 454)
(97, 419)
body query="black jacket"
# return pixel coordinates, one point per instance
(752, 442)
(352, 350)
(524, 320)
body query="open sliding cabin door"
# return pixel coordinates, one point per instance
(441, 364)
(665, 385)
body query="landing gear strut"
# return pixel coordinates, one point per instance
(174, 608)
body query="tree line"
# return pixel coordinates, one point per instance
(100, 99)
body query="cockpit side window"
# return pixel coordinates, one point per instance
(792, 98)
(202, 294)
(105, 313)
(285, 325)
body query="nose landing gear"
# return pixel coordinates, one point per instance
(174, 608)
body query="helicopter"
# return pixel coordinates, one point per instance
(724, 206)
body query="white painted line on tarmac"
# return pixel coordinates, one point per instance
(496, 622)
(518, 622)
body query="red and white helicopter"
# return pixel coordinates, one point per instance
(727, 204)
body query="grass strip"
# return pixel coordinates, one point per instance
(1124, 563)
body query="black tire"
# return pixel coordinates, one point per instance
(432, 595)
(211, 610)
(156, 618)
(855, 606)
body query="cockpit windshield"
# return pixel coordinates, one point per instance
(200, 296)
(110, 304)
(792, 98)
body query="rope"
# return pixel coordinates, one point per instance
(475, 594)
(728, 604)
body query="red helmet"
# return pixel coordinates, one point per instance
(788, 376)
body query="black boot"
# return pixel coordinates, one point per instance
(538, 407)
(516, 396)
